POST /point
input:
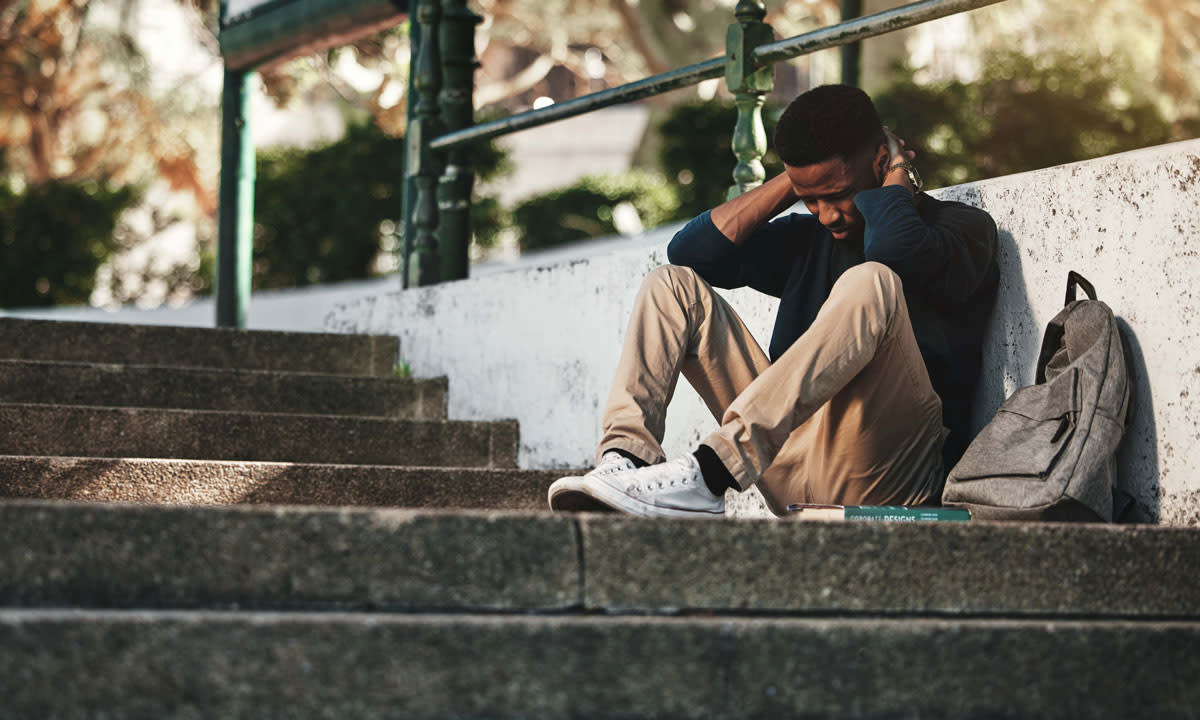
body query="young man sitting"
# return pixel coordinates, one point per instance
(884, 296)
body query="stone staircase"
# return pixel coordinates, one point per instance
(275, 526)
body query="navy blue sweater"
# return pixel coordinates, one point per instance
(943, 252)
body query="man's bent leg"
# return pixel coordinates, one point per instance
(678, 324)
(852, 396)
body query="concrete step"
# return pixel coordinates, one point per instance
(58, 383)
(221, 482)
(62, 430)
(197, 347)
(294, 558)
(296, 665)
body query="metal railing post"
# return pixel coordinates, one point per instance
(424, 265)
(749, 84)
(457, 43)
(851, 52)
(410, 182)
(235, 204)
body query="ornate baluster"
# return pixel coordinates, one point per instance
(749, 86)
(424, 266)
(457, 38)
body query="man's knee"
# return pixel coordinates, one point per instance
(674, 280)
(871, 279)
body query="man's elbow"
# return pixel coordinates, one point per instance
(676, 254)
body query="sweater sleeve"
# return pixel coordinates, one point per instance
(946, 253)
(762, 262)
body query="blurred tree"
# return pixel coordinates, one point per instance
(76, 106)
(1023, 113)
(53, 237)
(1152, 41)
(565, 48)
(333, 213)
(590, 208)
(321, 215)
(79, 109)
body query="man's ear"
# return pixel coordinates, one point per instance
(880, 162)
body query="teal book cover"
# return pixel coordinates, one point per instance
(877, 513)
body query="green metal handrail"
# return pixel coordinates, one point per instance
(833, 36)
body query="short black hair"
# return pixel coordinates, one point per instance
(825, 122)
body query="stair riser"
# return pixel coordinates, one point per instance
(973, 568)
(62, 554)
(199, 482)
(197, 347)
(122, 557)
(180, 388)
(253, 666)
(102, 432)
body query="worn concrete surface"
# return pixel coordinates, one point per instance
(129, 556)
(121, 556)
(632, 564)
(62, 430)
(59, 383)
(94, 342)
(66, 664)
(201, 482)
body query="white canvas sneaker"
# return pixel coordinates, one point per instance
(673, 489)
(567, 493)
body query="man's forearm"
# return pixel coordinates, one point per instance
(738, 218)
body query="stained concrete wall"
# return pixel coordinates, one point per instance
(538, 340)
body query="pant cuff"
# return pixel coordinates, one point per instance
(745, 475)
(651, 455)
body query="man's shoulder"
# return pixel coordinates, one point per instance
(935, 206)
(954, 212)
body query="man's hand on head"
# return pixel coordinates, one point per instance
(900, 170)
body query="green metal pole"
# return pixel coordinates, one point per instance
(410, 181)
(851, 52)
(425, 265)
(457, 44)
(749, 84)
(235, 214)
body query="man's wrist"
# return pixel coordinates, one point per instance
(903, 173)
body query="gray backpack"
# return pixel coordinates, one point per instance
(1049, 453)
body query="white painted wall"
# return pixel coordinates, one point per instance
(538, 340)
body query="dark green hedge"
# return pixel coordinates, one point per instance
(53, 237)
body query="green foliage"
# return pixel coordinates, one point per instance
(1024, 113)
(585, 209)
(488, 218)
(318, 213)
(325, 215)
(696, 154)
(488, 161)
(53, 237)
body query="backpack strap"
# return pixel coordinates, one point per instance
(1054, 337)
(1073, 279)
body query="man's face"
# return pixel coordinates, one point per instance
(828, 188)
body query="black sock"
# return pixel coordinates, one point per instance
(637, 461)
(716, 475)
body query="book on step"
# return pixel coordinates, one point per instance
(877, 513)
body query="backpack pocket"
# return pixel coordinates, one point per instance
(1027, 436)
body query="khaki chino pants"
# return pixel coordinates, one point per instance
(847, 415)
